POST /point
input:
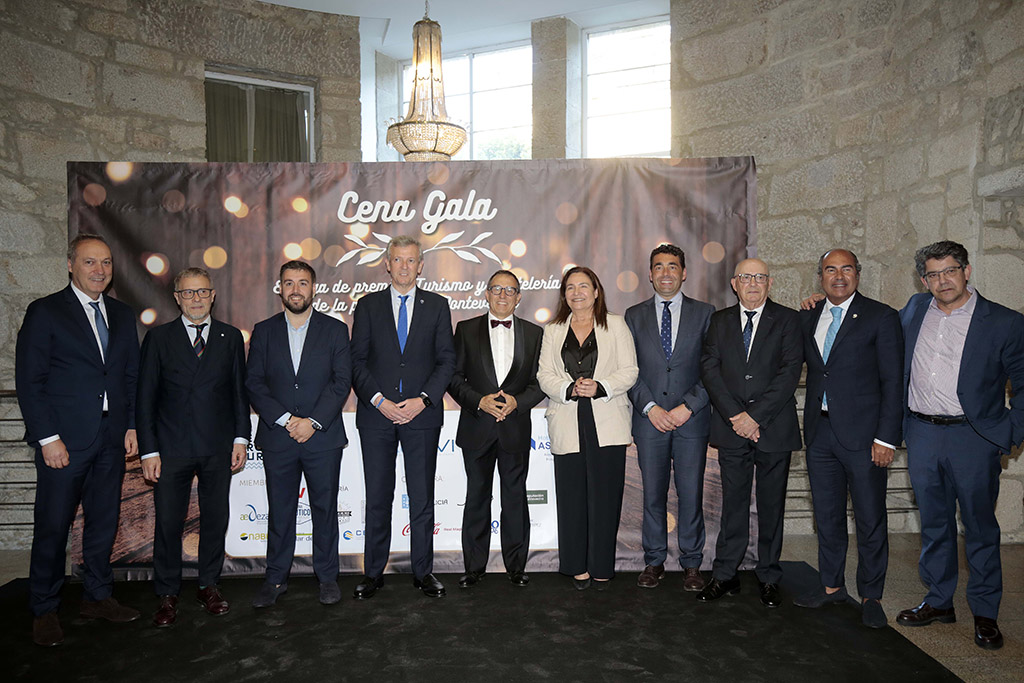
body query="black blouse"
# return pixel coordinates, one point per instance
(580, 360)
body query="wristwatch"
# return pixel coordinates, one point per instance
(426, 400)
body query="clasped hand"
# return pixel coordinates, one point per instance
(746, 426)
(404, 412)
(498, 409)
(585, 388)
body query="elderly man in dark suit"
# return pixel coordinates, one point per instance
(77, 365)
(299, 376)
(193, 421)
(853, 346)
(495, 382)
(751, 366)
(403, 357)
(960, 351)
(671, 416)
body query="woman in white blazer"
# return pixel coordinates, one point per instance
(587, 364)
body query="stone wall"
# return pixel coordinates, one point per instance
(123, 79)
(877, 125)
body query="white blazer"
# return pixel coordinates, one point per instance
(616, 371)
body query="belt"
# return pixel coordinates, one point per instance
(942, 420)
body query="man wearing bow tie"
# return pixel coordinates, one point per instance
(193, 421)
(402, 360)
(495, 382)
(853, 346)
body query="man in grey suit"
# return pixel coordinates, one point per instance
(671, 415)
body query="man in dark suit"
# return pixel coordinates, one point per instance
(961, 349)
(77, 362)
(299, 376)
(193, 421)
(751, 366)
(495, 382)
(671, 416)
(403, 358)
(853, 346)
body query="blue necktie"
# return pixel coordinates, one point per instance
(403, 329)
(666, 330)
(748, 331)
(101, 326)
(830, 338)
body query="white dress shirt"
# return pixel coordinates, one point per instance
(503, 345)
(757, 321)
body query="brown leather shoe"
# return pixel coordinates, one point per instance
(46, 630)
(109, 609)
(167, 612)
(212, 601)
(924, 614)
(651, 576)
(986, 633)
(693, 581)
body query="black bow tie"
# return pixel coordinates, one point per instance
(506, 323)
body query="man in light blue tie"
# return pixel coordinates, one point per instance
(853, 347)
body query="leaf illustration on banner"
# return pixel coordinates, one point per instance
(448, 238)
(490, 254)
(466, 255)
(386, 239)
(353, 238)
(348, 256)
(481, 237)
(370, 257)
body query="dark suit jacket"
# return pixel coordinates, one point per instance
(669, 383)
(319, 390)
(862, 376)
(61, 376)
(763, 386)
(379, 365)
(993, 353)
(189, 406)
(474, 378)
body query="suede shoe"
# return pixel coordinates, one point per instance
(872, 615)
(716, 589)
(987, 634)
(924, 614)
(46, 630)
(167, 612)
(820, 598)
(519, 578)
(330, 594)
(430, 586)
(268, 595)
(693, 580)
(109, 609)
(212, 601)
(770, 595)
(651, 576)
(368, 587)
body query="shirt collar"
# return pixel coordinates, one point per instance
(676, 300)
(188, 323)
(966, 309)
(491, 316)
(758, 310)
(395, 293)
(84, 298)
(845, 305)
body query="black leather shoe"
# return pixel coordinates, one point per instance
(987, 634)
(430, 586)
(470, 579)
(924, 614)
(368, 587)
(770, 595)
(581, 584)
(716, 589)
(519, 578)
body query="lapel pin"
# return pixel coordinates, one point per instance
(854, 315)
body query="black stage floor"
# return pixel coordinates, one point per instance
(491, 632)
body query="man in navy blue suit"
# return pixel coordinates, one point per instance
(853, 346)
(77, 367)
(403, 357)
(960, 351)
(299, 376)
(671, 416)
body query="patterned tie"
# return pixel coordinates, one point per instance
(748, 331)
(666, 329)
(199, 345)
(101, 326)
(830, 338)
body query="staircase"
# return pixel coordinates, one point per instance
(17, 477)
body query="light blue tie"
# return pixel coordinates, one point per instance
(830, 338)
(101, 326)
(403, 329)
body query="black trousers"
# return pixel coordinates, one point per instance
(171, 496)
(588, 489)
(93, 478)
(514, 524)
(738, 466)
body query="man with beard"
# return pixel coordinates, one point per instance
(299, 377)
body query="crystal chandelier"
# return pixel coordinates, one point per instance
(426, 133)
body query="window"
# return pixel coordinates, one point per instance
(491, 93)
(627, 94)
(251, 119)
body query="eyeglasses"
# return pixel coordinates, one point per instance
(187, 294)
(745, 278)
(496, 290)
(936, 274)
